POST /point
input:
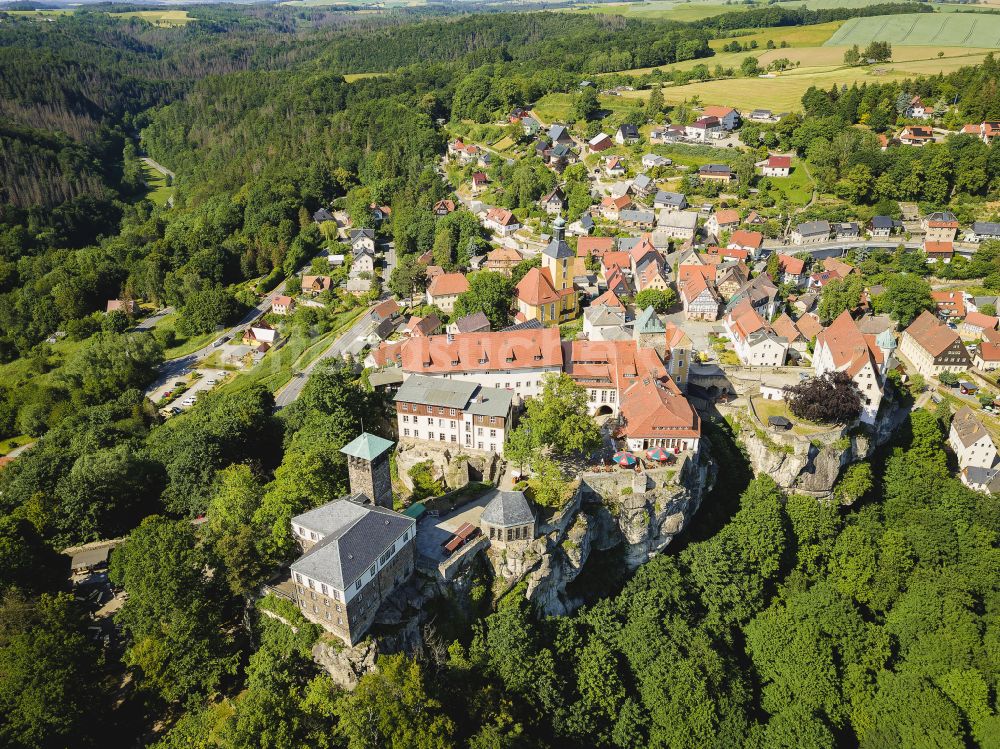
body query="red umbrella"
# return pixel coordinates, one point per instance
(658, 453)
(625, 458)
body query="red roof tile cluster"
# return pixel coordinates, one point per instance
(536, 288)
(931, 334)
(611, 364)
(751, 240)
(483, 352)
(849, 348)
(448, 284)
(587, 246)
(655, 408)
(791, 265)
(951, 302)
(727, 216)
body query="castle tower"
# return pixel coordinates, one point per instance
(368, 468)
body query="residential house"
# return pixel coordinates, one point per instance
(604, 323)
(842, 347)
(356, 550)
(762, 295)
(128, 306)
(387, 310)
(433, 271)
(594, 246)
(322, 215)
(614, 167)
(669, 134)
(917, 110)
(846, 230)
(940, 226)
(501, 222)
(950, 304)
(609, 298)
(553, 202)
(477, 322)
(444, 207)
(561, 155)
(465, 153)
(502, 260)
(611, 208)
(716, 172)
(785, 327)
(882, 227)
(479, 182)
(982, 231)
(730, 278)
(363, 262)
(358, 286)
(423, 326)
(600, 142)
(704, 128)
(260, 335)
(669, 201)
(314, 285)
(775, 166)
(792, 269)
(362, 239)
(444, 290)
(653, 161)
(454, 412)
(988, 131)
(811, 232)
(282, 305)
(680, 351)
(753, 338)
(514, 360)
(755, 219)
(560, 134)
(723, 220)
(987, 356)
(809, 325)
(838, 267)
(939, 252)
(649, 331)
(916, 135)
(682, 225)
(971, 442)
(933, 347)
(582, 226)
(642, 185)
(687, 272)
(531, 126)
(975, 325)
(741, 239)
(699, 299)
(761, 115)
(633, 219)
(627, 135)
(652, 275)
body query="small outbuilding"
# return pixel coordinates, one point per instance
(507, 518)
(779, 423)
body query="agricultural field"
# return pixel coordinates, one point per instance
(162, 18)
(660, 9)
(795, 36)
(921, 29)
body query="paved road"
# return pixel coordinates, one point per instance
(362, 328)
(150, 322)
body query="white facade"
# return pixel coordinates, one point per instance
(453, 427)
(981, 454)
(526, 382)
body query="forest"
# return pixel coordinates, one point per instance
(777, 621)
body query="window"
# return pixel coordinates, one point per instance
(493, 419)
(493, 433)
(406, 419)
(372, 570)
(416, 433)
(340, 620)
(440, 409)
(298, 578)
(357, 585)
(315, 610)
(454, 438)
(312, 595)
(406, 432)
(338, 608)
(406, 407)
(326, 601)
(451, 411)
(480, 431)
(430, 421)
(493, 447)
(327, 615)
(324, 588)
(441, 436)
(480, 445)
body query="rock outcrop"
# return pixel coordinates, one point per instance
(453, 467)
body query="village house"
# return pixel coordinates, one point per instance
(730, 278)
(784, 326)
(669, 201)
(751, 241)
(502, 260)
(682, 225)
(444, 207)
(614, 167)
(728, 117)
(260, 335)
(594, 246)
(546, 294)
(982, 231)
(362, 262)
(975, 325)
(838, 267)
(775, 166)
(553, 202)
(600, 142)
(933, 347)
(917, 110)
(939, 252)
(358, 286)
(882, 227)
(971, 442)
(753, 338)
(582, 226)
(761, 115)
(916, 135)
(465, 153)
(642, 185)
(633, 219)
(654, 161)
(987, 356)
(128, 306)
(678, 355)
(950, 304)
(791, 269)
(604, 323)
(356, 550)
(477, 322)
(715, 172)
(725, 220)
(668, 134)
(811, 232)
(362, 239)
(846, 230)
(453, 412)
(422, 326)
(655, 413)
(704, 128)
(842, 347)
(611, 208)
(560, 134)
(282, 305)
(940, 226)
(501, 222)
(626, 135)
(762, 295)
(699, 299)
(507, 519)
(514, 360)
(444, 290)
(479, 182)
(314, 285)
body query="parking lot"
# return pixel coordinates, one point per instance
(209, 379)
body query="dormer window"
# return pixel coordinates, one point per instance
(538, 357)
(482, 361)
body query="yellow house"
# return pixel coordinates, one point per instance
(546, 294)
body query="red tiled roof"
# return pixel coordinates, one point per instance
(587, 246)
(282, 301)
(716, 111)
(656, 409)
(931, 334)
(849, 348)
(448, 284)
(501, 216)
(809, 325)
(779, 162)
(979, 320)
(686, 273)
(536, 288)
(939, 248)
(727, 216)
(610, 363)
(838, 267)
(483, 352)
(609, 299)
(952, 302)
(784, 326)
(387, 353)
(418, 326)
(744, 238)
(791, 265)
(504, 255)
(386, 308)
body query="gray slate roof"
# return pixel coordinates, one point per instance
(670, 198)
(647, 217)
(507, 509)
(526, 325)
(813, 228)
(558, 249)
(350, 549)
(435, 391)
(968, 428)
(491, 402)
(988, 228)
(477, 321)
(886, 222)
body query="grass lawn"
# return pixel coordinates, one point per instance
(922, 29)
(159, 191)
(14, 442)
(784, 92)
(768, 408)
(797, 187)
(183, 346)
(503, 144)
(351, 77)
(162, 18)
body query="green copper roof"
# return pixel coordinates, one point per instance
(366, 446)
(886, 340)
(648, 322)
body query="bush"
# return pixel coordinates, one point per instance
(424, 483)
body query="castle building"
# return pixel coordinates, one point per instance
(356, 549)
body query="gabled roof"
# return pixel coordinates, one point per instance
(482, 352)
(813, 228)
(501, 216)
(979, 320)
(586, 246)
(744, 238)
(717, 111)
(931, 334)
(670, 198)
(784, 326)
(779, 162)
(849, 348)
(628, 131)
(968, 427)
(649, 322)
(448, 284)
(536, 288)
(610, 363)
(791, 265)
(656, 408)
(809, 325)
(610, 299)
(727, 216)
(476, 322)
